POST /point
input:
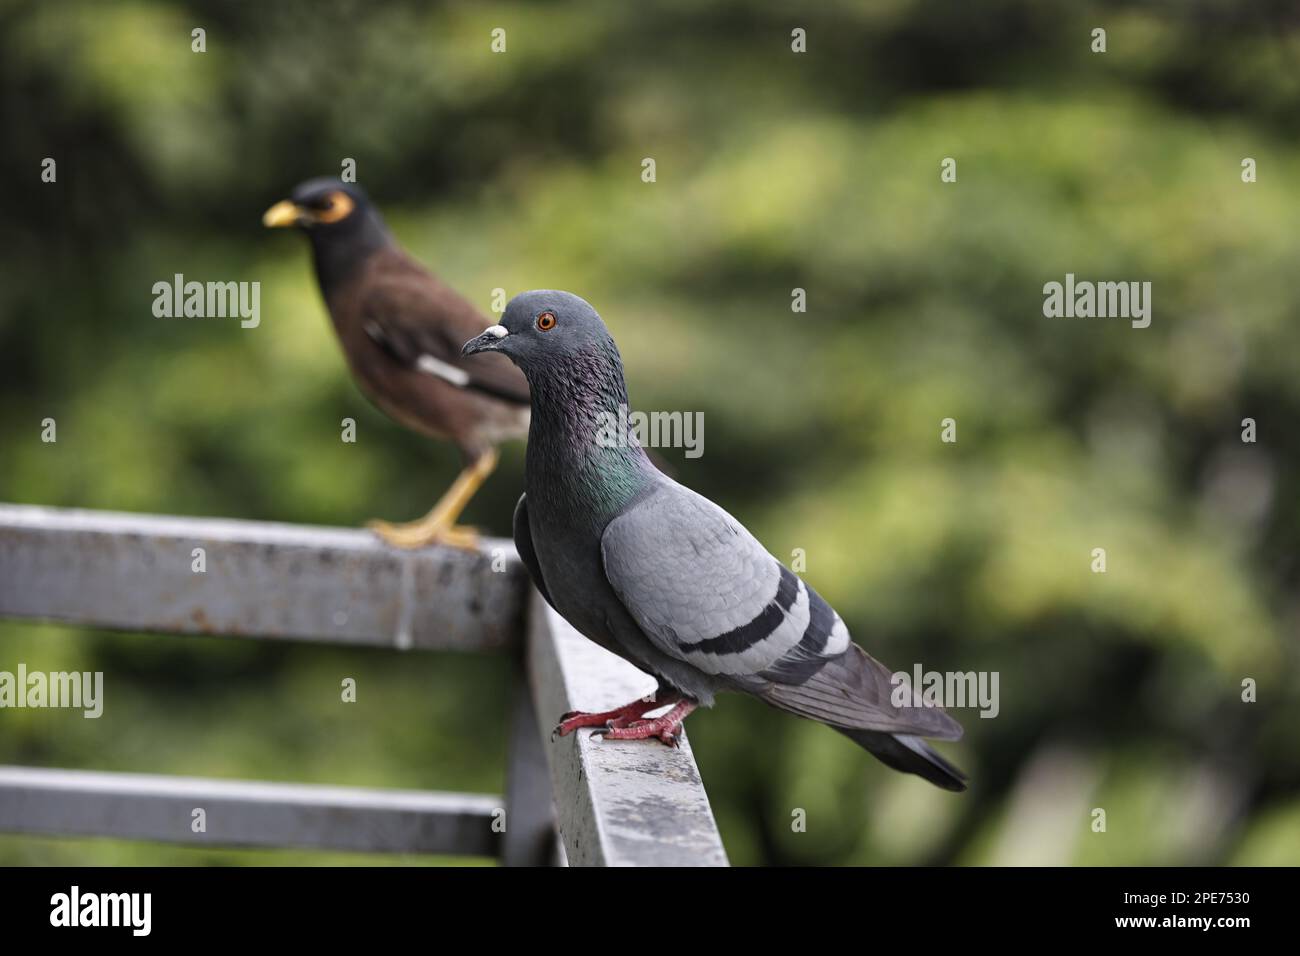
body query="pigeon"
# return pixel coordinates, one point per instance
(401, 330)
(668, 580)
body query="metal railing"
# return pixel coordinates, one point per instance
(609, 803)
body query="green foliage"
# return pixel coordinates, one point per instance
(819, 171)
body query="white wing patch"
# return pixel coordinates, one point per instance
(838, 642)
(440, 369)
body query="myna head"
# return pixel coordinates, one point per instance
(320, 205)
(545, 329)
(338, 219)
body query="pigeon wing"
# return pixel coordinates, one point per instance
(523, 535)
(704, 591)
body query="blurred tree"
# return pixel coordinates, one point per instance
(775, 170)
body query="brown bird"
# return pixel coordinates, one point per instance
(401, 330)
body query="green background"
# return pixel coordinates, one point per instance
(775, 170)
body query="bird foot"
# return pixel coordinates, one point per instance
(630, 723)
(667, 729)
(419, 534)
(619, 717)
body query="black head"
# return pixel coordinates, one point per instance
(344, 228)
(324, 204)
(546, 328)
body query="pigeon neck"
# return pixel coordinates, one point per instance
(340, 250)
(581, 452)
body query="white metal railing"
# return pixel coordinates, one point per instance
(614, 803)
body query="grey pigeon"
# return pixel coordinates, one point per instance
(666, 579)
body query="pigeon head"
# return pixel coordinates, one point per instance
(548, 332)
(578, 426)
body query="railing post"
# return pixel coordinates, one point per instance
(619, 802)
(530, 837)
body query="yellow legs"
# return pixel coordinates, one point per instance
(439, 525)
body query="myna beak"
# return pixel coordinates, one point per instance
(489, 341)
(284, 213)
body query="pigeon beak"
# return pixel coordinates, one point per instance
(489, 341)
(283, 213)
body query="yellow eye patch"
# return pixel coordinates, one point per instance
(341, 206)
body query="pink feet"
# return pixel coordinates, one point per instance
(630, 723)
(667, 728)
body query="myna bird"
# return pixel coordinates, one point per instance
(665, 578)
(401, 330)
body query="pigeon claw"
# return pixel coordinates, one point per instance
(617, 718)
(666, 729)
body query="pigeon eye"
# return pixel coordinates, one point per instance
(546, 321)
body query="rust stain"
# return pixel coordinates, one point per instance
(200, 621)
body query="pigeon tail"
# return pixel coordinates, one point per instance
(856, 694)
(854, 691)
(910, 755)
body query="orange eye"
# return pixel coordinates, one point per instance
(546, 321)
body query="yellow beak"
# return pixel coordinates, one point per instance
(283, 213)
